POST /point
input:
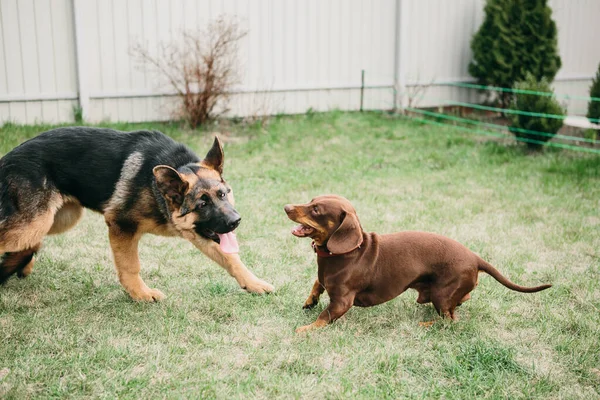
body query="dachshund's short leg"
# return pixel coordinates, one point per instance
(315, 294)
(465, 298)
(424, 296)
(445, 307)
(336, 308)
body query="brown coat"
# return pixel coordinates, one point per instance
(366, 269)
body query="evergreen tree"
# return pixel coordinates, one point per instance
(594, 105)
(517, 37)
(535, 130)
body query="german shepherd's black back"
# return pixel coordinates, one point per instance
(85, 163)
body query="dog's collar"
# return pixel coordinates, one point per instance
(327, 253)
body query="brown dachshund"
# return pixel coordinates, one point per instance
(366, 269)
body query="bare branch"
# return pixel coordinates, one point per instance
(201, 67)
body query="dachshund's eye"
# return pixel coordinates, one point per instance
(315, 210)
(222, 195)
(201, 204)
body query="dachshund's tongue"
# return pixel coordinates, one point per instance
(302, 230)
(228, 243)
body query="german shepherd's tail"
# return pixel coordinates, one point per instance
(16, 262)
(489, 269)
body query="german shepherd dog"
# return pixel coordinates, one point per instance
(142, 182)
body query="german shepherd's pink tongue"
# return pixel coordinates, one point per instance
(228, 243)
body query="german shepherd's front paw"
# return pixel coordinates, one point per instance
(149, 295)
(258, 286)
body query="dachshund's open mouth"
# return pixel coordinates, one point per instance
(302, 231)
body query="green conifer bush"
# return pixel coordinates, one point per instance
(594, 105)
(525, 127)
(517, 37)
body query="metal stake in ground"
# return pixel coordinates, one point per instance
(362, 88)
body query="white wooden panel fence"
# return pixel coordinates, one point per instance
(298, 54)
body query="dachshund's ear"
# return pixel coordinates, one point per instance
(347, 237)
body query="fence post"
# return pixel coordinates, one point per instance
(400, 55)
(362, 88)
(78, 32)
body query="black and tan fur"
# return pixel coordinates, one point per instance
(142, 182)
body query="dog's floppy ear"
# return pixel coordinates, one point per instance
(170, 183)
(214, 158)
(347, 236)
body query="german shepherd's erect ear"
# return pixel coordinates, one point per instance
(214, 158)
(170, 183)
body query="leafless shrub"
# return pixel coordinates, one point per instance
(413, 93)
(416, 92)
(200, 66)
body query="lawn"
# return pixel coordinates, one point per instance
(70, 330)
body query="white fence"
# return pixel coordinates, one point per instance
(298, 54)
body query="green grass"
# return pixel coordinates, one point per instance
(69, 330)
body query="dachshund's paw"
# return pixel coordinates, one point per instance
(311, 302)
(305, 328)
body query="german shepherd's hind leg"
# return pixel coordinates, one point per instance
(20, 262)
(27, 268)
(125, 251)
(64, 219)
(21, 233)
(233, 265)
